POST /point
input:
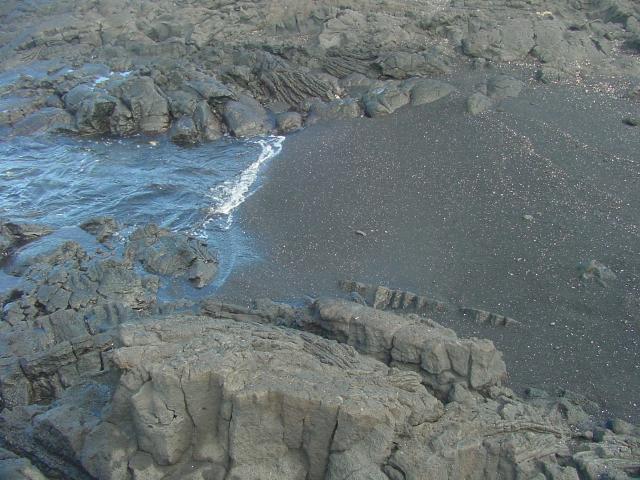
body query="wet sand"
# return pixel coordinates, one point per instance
(493, 212)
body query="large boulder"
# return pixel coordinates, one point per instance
(252, 401)
(143, 103)
(336, 109)
(183, 131)
(247, 118)
(425, 90)
(386, 99)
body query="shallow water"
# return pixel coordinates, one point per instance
(62, 182)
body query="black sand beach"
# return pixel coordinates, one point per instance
(493, 212)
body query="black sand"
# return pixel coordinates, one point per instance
(442, 197)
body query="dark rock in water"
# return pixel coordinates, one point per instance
(93, 114)
(183, 131)
(148, 109)
(503, 86)
(287, 122)
(424, 91)
(631, 121)
(74, 97)
(46, 120)
(166, 253)
(206, 122)
(16, 234)
(102, 228)
(478, 103)
(247, 118)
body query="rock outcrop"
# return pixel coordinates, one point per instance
(213, 68)
(162, 252)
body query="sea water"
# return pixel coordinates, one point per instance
(63, 181)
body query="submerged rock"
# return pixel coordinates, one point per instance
(102, 228)
(167, 253)
(16, 234)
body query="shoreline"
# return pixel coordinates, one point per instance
(441, 221)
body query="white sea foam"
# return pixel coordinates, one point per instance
(230, 194)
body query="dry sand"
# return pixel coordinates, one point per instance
(494, 212)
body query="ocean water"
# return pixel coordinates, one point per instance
(63, 181)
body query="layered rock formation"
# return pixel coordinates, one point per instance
(101, 380)
(211, 68)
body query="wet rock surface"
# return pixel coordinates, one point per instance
(162, 252)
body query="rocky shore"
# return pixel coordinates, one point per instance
(101, 377)
(199, 70)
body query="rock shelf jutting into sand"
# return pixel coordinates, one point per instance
(99, 379)
(118, 362)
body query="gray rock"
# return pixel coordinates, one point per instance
(478, 103)
(511, 40)
(287, 122)
(14, 467)
(182, 103)
(46, 120)
(429, 349)
(383, 298)
(16, 234)
(215, 93)
(503, 86)
(334, 110)
(385, 100)
(93, 114)
(547, 74)
(401, 65)
(102, 228)
(166, 253)
(183, 131)
(247, 118)
(424, 91)
(488, 318)
(149, 110)
(206, 122)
